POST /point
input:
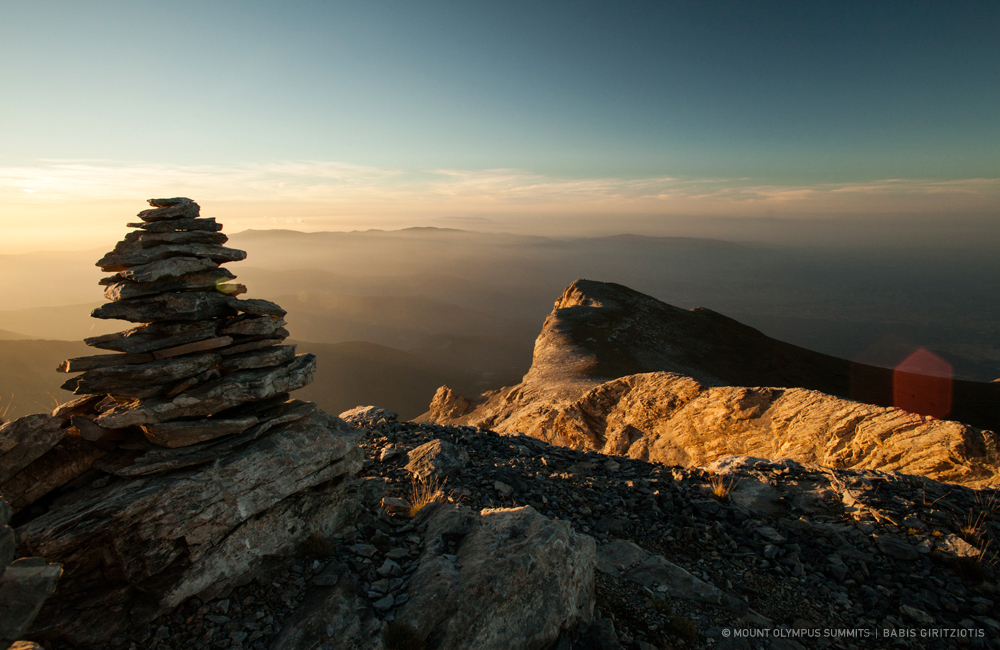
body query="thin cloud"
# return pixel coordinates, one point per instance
(337, 183)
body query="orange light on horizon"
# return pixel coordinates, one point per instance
(922, 384)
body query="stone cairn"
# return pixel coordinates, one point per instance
(201, 363)
(183, 464)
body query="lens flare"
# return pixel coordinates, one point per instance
(922, 384)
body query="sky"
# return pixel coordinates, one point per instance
(560, 117)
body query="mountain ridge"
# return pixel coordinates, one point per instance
(620, 372)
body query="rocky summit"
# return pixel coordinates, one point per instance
(622, 373)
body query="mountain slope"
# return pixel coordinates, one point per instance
(620, 372)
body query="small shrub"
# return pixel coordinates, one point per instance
(683, 628)
(400, 636)
(382, 543)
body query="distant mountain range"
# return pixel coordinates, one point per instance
(473, 302)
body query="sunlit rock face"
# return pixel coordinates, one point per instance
(622, 373)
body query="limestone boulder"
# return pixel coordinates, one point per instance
(504, 579)
(363, 416)
(436, 460)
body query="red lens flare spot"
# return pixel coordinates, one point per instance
(922, 384)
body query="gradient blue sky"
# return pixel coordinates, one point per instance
(367, 109)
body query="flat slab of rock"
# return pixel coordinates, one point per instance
(209, 280)
(187, 433)
(174, 225)
(253, 325)
(24, 586)
(25, 439)
(131, 380)
(138, 240)
(189, 306)
(168, 269)
(437, 458)
(257, 307)
(263, 358)
(155, 336)
(246, 343)
(80, 364)
(158, 460)
(622, 559)
(141, 547)
(229, 391)
(78, 406)
(186, 209)
(123, 261)
(516, 580)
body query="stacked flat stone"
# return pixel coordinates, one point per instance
(201, 363)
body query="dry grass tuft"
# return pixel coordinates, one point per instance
(6, 410)
(720, 488)
(423, 492)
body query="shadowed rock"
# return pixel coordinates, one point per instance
(24, 586)
(138, 548)
(26, 439)
(55, 468)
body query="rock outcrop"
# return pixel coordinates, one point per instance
(184, 463)
(624, 374)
